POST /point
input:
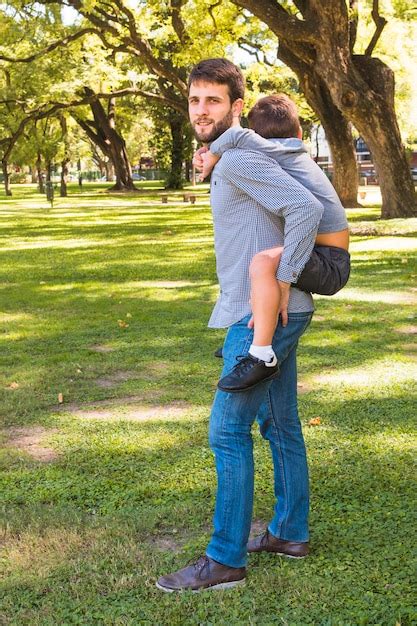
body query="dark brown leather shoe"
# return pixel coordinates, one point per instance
(269, 543)
(204, 574)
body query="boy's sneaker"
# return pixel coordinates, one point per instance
(247, 373)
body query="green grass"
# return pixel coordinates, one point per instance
(105, 299)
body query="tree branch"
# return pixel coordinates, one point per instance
(56, 44)
(282, 23)
(353, 23)
(254, 49)
(380, 23)
(177, 21)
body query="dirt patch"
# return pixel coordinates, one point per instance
(303, 388)
(155, 371)
(166, 543)
(407, 330)
(101, 348)
(410, 347)
(114, 379)
(29, 439)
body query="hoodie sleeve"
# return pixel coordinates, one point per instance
(246, 139)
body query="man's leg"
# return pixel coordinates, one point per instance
(230, 438)
(280, 425)
(231, 441)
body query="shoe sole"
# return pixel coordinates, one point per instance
(234, 583)
(274, 375)
(288, 556)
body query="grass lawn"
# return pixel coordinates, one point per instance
(106, 379)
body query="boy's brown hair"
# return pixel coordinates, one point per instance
(275, 116)
(219, 71)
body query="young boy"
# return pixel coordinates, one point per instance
(275, 130)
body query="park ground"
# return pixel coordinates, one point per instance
(106, 379)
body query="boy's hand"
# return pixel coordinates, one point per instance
(197, 158)
(209, 161)
(283, 305)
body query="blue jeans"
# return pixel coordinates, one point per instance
(274, 405)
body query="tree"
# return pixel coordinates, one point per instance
(317, 41)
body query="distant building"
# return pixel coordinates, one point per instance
(320, 152)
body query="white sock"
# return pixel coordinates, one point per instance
(265, 353)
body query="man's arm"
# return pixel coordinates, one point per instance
(261, 178)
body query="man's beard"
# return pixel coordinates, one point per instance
(218, 129)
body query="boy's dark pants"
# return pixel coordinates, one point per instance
(326, 271)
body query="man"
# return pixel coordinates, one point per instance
(256, 205)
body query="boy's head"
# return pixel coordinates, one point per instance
(215, 97)
(275, 116)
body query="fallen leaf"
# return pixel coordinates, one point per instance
(60, 398)
(315, 421)
(128, 315)
(122, 324)
(14, 386)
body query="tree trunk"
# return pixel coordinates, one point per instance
(64, 175)
(176, 123)
(109, 170)
(41, 185)
(80, 174)
(33, 174)
(102, 131)
(6, 177)
(337, 129)
(66, 159)
(48, 167)
(361, 87)
(373, 114)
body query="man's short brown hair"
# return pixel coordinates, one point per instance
(219, 71)
(275, 116)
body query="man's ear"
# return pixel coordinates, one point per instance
(237, 107)
(300, 133)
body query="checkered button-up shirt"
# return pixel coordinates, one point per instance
(255, 206)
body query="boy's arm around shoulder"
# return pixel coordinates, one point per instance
(245, 139)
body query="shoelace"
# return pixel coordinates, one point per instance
(244, 364)
(201, 564)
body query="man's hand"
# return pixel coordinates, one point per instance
(209, 161)
(283, 305)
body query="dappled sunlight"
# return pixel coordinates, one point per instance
(161, 284)
(15, 317)
(364, 295)
(374, 373)
(381, 244)
(138, 412)
(55, 243)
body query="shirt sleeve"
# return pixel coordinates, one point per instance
(246, 139)
(261, 178)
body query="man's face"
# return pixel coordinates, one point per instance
(210, 110)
